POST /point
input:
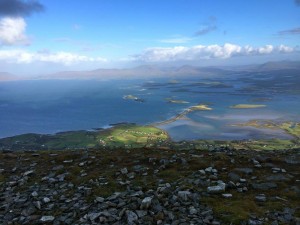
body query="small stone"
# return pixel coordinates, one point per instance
(47, 218)
(216, 189)
(243, 180)
(131, 217)
(192, 210)
(81, 164)
(28, 173)
(37, 204)
(264, 186)
(46, 200)
(146, 203)
(260, 198)
(124, 170)
(100, 199)
(227, 195)
(141, 213)
(208, 169)
(202, 172)
(184, 195)
(34, 194)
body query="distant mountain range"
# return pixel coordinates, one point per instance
(147, 71)
(7, 76)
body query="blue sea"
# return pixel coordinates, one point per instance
(51, 106)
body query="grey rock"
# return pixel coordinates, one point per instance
(141, 213)
(146, 203)
(217, 189)
(209, 169)
(264, 186)
(227, 195)
(260, 198)
(131, 217)
(28, 173)
(37, 204)
(34, 194)
(47, 218)
(46, 200)
(184, 195)
(124, 170)
(192, 210)
(100, 199)
(278, 177)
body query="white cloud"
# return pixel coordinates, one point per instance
(12, 31)
(65, 58)
(198, 52)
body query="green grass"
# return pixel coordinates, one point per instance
(118, 136)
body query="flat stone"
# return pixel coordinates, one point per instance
(34, 194)
(100, 199)
(47, 218)
(216, 189)
(46, 200)
(227, 195)
(278, 177)
(28, 173)
(260, 198)
(264, 186)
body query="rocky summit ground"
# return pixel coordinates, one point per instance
(150, 186)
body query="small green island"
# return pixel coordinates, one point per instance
(132, 97)
(247, 106)
(174, 101)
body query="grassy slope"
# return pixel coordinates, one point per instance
(119, 136)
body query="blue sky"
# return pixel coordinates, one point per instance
(51, 35)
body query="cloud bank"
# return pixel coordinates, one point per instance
(198, 52)
(64, 58)
(12, 31)
(17, 8)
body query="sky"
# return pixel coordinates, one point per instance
(45, 36)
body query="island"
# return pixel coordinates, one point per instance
(134, 98)
(200, 107)
(247, 106)
(170, 100)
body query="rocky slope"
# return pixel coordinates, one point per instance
(150, 186)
